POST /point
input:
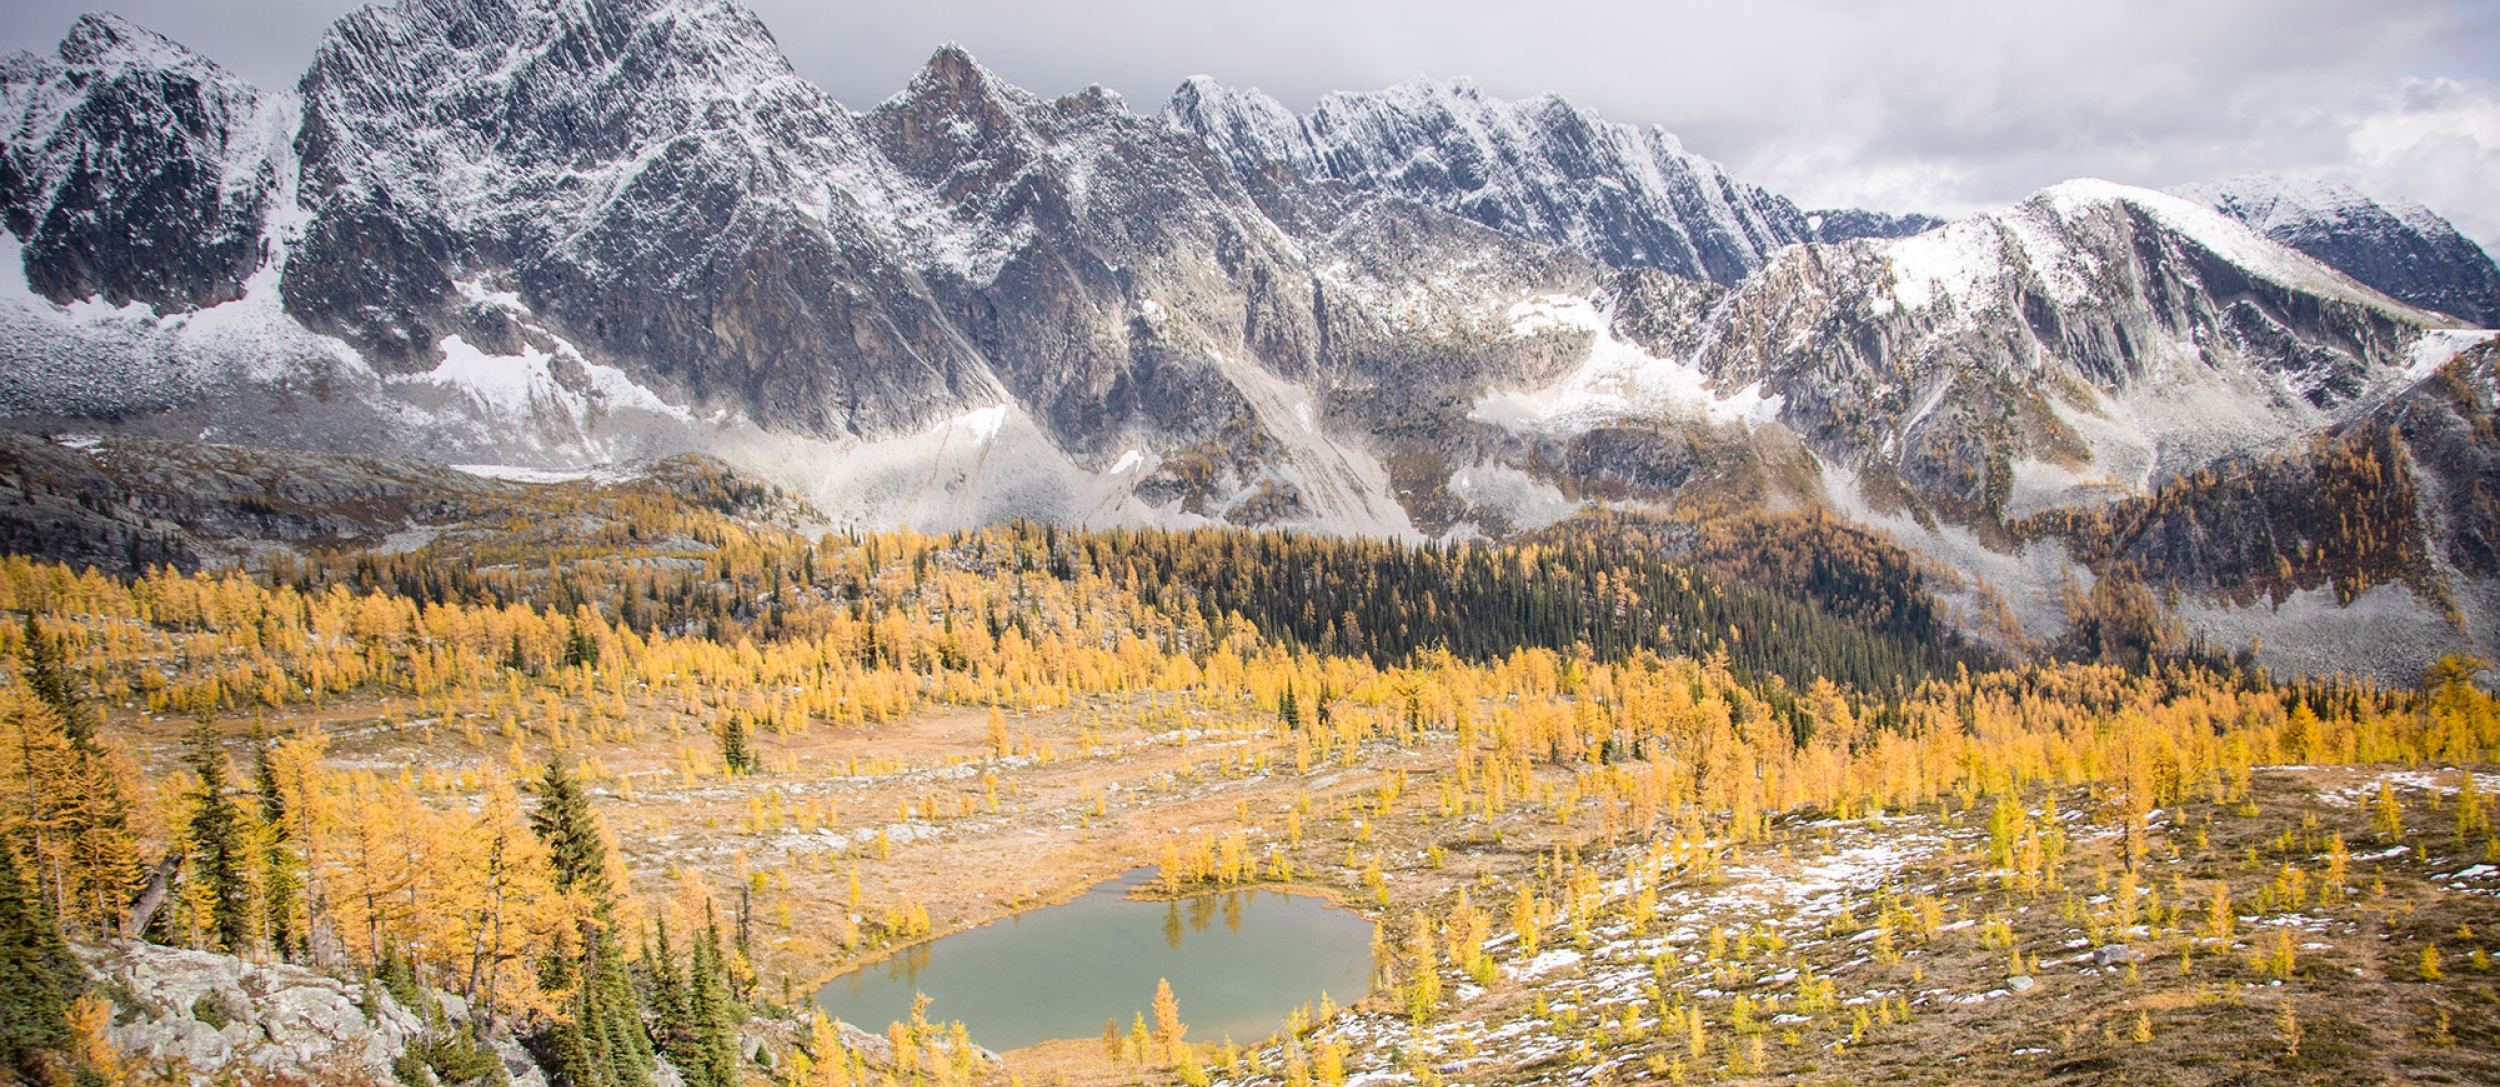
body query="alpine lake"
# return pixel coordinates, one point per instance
(1239, 963)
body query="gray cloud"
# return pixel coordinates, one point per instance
(1935, 105)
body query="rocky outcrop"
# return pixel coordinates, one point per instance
(135, 170)
(1846, 224)
(215, 1015)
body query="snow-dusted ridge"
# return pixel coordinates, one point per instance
(2397, 246)
(1539, 168)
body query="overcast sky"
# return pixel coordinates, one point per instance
(1944, 106)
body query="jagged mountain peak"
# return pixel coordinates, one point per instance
(2396, 246)
(953, 72)
(953, 112)
(500, 68)
(135, 170)
(102, 39)
(1539, 168)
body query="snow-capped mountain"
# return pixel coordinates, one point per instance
(2399, 246)
(553, 234)
(135, 170)
(1541, 169)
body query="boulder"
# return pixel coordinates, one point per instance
(2115, 954)
(213, 1014)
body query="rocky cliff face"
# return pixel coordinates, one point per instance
(135, 171)
(647, 182)
(1844, 224)
(2095, 337)
(1540, 169)
(2401, 248)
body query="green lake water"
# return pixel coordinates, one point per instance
(1239, 962)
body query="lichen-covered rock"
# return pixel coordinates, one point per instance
(209, 1013)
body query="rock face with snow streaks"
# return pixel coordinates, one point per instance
(135, 170)
(1540, 169)
(647, 179)
(2399, 247)
(2094, 337)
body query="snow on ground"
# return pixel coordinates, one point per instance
(2439, 346)
(2226, 237)
(1612, 968)
(2444, 781)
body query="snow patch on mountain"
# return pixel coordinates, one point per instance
(1617, 381)
(980, 467)
(2227, 238)
(1527, 502)
(2440, 346)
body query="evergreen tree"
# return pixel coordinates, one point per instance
(580, 648)
(737, 756)
(37, 975)
(1287, 711)
(625, 1048)
(281, 870)
(564, 821)
(669, 1008)
(221, 843)
(47, 675)
(710, 1055)
(599, 1040)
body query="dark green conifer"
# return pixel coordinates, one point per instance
(711, 1056)
(580, 648)
(564, 821)
(37, 976)
(599, 1041)
(281, 870)
(47, 675)
(737, 756)
(669, 1008)
(221, 846)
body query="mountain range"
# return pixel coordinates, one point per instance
(553, 236)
